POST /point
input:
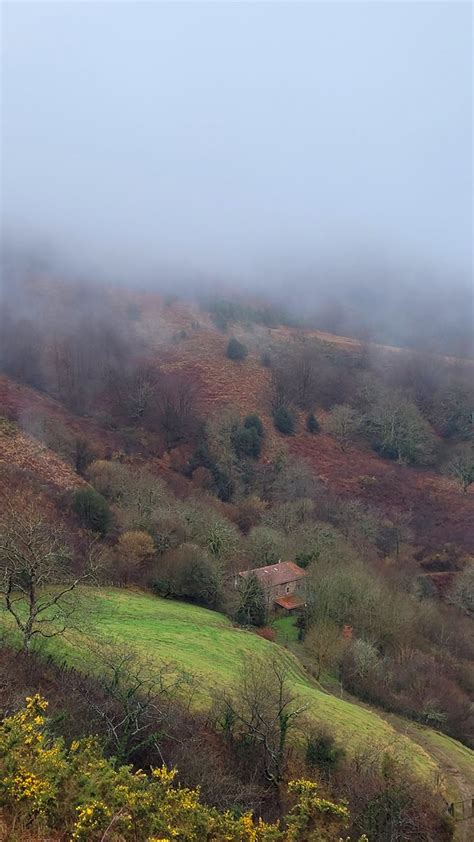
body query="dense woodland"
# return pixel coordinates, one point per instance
(175, 495)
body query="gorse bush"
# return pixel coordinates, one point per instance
(48, 787)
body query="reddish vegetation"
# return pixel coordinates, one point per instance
(224, 382)
(441, 581)
(267, 633)
(26, 453)
(21, 402)
(21, 451)
(440, 511)
(185, 340)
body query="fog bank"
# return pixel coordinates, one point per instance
(235, 140)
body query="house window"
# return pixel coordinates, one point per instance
(288, 589)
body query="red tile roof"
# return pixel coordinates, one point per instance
(276, 574)
(290, 602)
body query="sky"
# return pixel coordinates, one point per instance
(239, 139)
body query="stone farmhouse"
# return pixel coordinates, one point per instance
(283, 585)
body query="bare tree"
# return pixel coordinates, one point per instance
(324, 643)
(281, 390)
(398, 430)
(303, 374)
(141, 388)
(395, 531)
(343, 424)
(139, 700)
(176, 408)
(462, 591)
(461, 466)
(36, 585)
(262, 713)
(294, 377)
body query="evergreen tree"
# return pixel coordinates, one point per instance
(93, 510)
(247, 442)
(284, 421)
(312, 423)
(236, 350)
(255, 423)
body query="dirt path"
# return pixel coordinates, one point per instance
(458, 773)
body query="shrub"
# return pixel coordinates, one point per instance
(462, 591)
(188, 573)
(343, 423)
(247, 442)
(256, 423)
(267, 633)
(223, 484)
(312, 423)
(48, 788)
(284, 421)
(322, 752)
(7, 428)
(236, 350)
(305, 558)
(92, 509)
(397, 430)
(134, 550)
(83, 456)
(247, 439)
(461, 466)
(249, 513)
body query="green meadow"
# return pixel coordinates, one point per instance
(207, 645)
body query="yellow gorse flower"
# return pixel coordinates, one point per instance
(43, 784)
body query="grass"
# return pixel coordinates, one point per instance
(206, 644)
(455, 759)
(286, 630)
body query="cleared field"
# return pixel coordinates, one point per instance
(206, 644)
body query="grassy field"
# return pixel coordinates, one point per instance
(206, 644)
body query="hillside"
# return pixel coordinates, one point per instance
(236, 423)
(207, 646)
(185, 342)
(200, 354)
(142, 410)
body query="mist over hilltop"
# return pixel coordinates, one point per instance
(319, 154)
